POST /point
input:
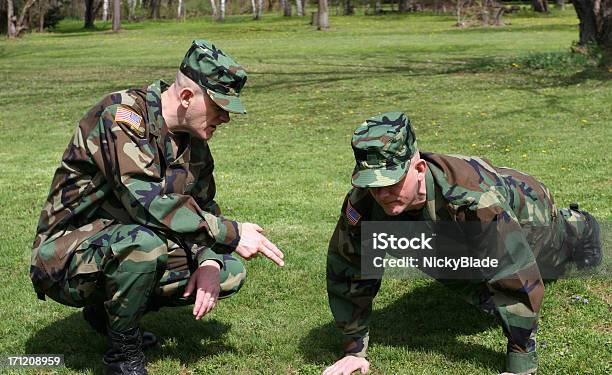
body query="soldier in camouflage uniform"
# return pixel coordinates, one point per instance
(393, 181)
(130, 224)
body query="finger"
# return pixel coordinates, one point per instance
(329, 370)
(211, 305)
(270, 255)
(365, 368)
(333, 369)
(198, 302)
(267, 243)
(204, 306)
(190, 286)
(258, 228)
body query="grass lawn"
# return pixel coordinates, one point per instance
(513, 94)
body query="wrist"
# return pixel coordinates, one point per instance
(211, 262)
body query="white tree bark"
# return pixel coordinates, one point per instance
(254, 6)
(299, 8)
(10, 18)
(16, 25)
(260, 7)
(213, 4)
(179, 10)
(222, 14)
(105, 10)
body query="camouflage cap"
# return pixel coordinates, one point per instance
(383, 146)
(217, 73)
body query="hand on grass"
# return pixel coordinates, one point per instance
(347, 365)
(207, 283)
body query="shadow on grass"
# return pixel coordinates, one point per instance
(429, 319)
(181, 338)
(536, 71)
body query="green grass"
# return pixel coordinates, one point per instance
(286, 165)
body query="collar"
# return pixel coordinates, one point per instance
(154, 106)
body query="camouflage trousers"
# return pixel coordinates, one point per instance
(520, 325)
(131, 270)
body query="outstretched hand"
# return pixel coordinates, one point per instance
(253, 243)
(347, 365)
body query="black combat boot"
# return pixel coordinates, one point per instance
(124, 355)
(95, 315)
(588, 253)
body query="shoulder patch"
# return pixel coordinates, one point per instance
(352, 215)
(131, 119)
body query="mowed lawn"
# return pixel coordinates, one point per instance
(513, 94)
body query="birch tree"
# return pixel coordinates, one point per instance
(105, 10)
(215, 10)
(298, 8)
(222, 10)
(180, 11)
(16, 25)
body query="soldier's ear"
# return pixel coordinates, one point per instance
(185, 96)
(421, 167)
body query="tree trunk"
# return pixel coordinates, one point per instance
(11, 29)
(260, 7)
(595, 22)
(403, 6)
(298, 8)
(105, 10)
(89, 10)
(540, 6)
(116, 15)
(180, 11)
(323, 16)
(349, 9)
(560, 4)
(213, 4)
(222, 11)
(42, 9)
(131, 9)
(378, 7)
(155, 9)
(287, 8)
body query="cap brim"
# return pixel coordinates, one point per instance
(228, 102)
(367, 178)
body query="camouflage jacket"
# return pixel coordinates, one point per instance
(459, 189)
(122, 165)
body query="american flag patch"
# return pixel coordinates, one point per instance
(351, 214)
(130, 118)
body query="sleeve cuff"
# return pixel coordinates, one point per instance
(209, 254)
(522, 363)
(357, 346)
